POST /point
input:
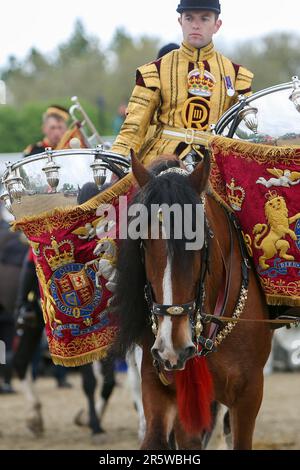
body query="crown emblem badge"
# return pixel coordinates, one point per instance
(236, 195)
(59, 254)
(201, 82)
(271, 195)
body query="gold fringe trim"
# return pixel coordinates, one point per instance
(78, 361)
(118, 189)
(256, 150)
(282, 300)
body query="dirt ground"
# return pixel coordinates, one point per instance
(278, 425)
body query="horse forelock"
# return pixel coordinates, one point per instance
(171, 190)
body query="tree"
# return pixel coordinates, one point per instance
(127, 55)
(77, 46)
(274, 58)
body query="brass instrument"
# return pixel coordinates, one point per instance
(89, 132)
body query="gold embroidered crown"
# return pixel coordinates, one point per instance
(201, 81)
(271, 195)
(59, 254)
(236, 195)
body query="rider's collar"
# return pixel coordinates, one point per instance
(197, 55)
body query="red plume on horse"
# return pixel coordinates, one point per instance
(171, 298)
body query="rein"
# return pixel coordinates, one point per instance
(218, 331)
(288, 320)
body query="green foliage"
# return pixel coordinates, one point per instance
(104, 78)
(274, 58)
(22, 126)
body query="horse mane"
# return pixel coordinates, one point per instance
(130, 301)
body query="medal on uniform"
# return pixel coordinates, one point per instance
(229, 86)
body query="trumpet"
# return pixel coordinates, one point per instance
(89, 132)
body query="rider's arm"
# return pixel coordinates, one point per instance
(243, 83)
(143, 103)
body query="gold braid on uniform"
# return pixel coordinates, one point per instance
(162, 91)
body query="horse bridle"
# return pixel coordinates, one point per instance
(192, 309)
(195, 309)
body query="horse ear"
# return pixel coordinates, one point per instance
(141, 174)
(199, 177)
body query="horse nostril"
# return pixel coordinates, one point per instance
(155, 354)
(189, 352)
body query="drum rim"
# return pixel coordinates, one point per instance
(96, 152)
(227, 116)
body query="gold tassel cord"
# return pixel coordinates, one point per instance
(277, 300)
(260, 151)
(78, 361)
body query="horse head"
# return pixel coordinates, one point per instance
(172, 269)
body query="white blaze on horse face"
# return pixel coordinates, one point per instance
(164, 338)
(167, 284)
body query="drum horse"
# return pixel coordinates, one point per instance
(182, 288)
(190, 356)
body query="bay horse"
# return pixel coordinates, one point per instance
(191, 358)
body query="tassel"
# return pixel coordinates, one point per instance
(262, 151)
(194, 388)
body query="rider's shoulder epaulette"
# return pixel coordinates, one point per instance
(150, 75)
(244, 80)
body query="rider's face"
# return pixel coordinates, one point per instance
(198, 27)
(54, 129)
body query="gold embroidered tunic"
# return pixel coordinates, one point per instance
(188, 89)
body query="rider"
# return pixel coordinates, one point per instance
(185, 91)
(54, 127)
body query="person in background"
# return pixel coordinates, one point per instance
(164, 50)
(54, 126)
(12, 251)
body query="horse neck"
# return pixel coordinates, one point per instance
(220, 255)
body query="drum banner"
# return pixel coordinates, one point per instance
(261, 184)
(75, 252)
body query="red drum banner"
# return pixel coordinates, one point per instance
(261, 184)
(75, 253)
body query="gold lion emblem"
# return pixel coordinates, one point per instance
(279, 222)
